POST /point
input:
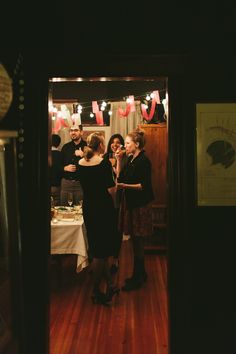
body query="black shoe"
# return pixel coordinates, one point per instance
(132, 285)
(142, 278)
(99, 298)
(114, 268)
(113, 290)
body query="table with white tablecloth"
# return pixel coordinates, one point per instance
(69, 237)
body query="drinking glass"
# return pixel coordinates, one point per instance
(70, 198)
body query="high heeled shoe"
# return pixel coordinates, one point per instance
(114, 268)
(99, 298)
(135, 282)
(143, 278)
(113, 290)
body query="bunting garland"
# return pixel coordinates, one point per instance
(64, 118)
(144, 110)
(130, 107)
(125, 113)
(97, 112)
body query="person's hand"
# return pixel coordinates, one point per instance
(119, 153)
(70, 168)
(79, 152)
(120, 185)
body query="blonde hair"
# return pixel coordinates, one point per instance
(94, 141)
(138, 136)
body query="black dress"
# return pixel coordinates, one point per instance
(98, 208)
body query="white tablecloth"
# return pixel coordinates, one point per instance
(69, 237)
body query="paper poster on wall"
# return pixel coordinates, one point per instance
(216, 154)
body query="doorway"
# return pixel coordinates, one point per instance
(65, 96)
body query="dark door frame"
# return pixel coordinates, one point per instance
(36, 148)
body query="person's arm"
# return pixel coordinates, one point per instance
(112, 191)
(70, 168)
(109, 178)
(136, 186)
(67, 167)
(119, 156)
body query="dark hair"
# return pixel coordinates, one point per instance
(114, 136)
(138, 137)
(56, 140)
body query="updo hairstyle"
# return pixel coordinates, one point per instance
(94, 142)
(137, 136)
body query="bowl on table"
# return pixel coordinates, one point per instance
(66, 213)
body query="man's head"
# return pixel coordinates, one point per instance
(76, 132)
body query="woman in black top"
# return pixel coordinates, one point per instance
(115, 145)
(135, 213)
(96, 178)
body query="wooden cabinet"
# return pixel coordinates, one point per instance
(156, 149)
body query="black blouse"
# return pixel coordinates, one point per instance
(134, 172)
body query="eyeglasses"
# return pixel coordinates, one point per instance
(74, 130)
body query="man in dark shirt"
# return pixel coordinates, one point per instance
(72, 152)
(56, 169)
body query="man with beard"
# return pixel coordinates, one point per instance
(72, 152)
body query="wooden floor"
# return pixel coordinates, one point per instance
(135, 323)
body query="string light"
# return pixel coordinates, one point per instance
(65, 113)
(87, 104)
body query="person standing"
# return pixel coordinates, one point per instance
(72, 152)
(115, 146)
(99, 188)
(56, 170)
(135, 212)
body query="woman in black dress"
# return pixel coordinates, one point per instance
(116, 145)
(135, 213)
(96, 178)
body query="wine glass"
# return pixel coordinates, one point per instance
(78, 209)
(70, 198)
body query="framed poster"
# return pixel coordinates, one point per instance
(216, 154)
